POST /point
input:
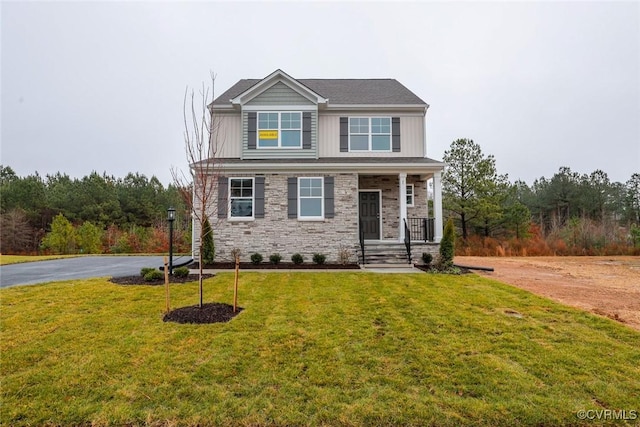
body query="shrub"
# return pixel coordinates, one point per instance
(319, 258)
(153, 275)
(297, 258)
(145, 270)
(256, 258)
(427, 258)
(275, 258)
(181, 271)
(447, 246)
(344, 255)
(208, 248)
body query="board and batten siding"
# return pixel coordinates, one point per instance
(411, 136)
(280, 153)
(229, 136)
(279, 94)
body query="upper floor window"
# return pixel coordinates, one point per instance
(241, 198)
(370, 134)
(280, 129)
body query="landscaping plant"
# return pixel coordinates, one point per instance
(427, 258)
(275, 258)
(208, 248)
(181, 271)
(145, 270)
(319, 258)
(447, 246)
(153, 275)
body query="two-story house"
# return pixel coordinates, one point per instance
(323, 165)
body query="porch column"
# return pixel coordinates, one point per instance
(437, 206)
(402, 196)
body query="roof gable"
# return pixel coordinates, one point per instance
(276, 78)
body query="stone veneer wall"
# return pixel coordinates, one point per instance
(276, 233)
(389, 184)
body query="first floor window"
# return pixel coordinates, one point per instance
(310, 198)
(241, 197)
(369, 134)
(410, 195)
(280, 129)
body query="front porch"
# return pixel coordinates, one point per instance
(400, 216)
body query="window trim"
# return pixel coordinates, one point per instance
(413, 195)
(253, 199)
(321, 197)
(370, 134)
(279, 146)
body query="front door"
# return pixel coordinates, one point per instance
(370, 214)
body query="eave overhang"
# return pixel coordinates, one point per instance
(387, 167)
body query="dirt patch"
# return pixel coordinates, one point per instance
(208, 313)
(607, 286)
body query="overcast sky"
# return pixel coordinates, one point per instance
(99, 85)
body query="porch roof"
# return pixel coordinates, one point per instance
(381, 165)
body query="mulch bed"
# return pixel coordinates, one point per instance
(209, 313)
(280, 266)
(139, 280)
(432, 269)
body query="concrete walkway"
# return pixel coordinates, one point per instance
(371, 268)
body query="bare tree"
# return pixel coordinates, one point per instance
(203, 141)
(16, 235)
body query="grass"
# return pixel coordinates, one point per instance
(311, 349)
(16, 259)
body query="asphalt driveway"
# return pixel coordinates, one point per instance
(30, 273)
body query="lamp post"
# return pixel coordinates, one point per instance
(171, 216)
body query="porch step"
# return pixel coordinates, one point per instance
(384, 253)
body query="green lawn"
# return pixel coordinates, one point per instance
(311, 349)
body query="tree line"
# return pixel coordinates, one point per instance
(568, 213)
(95, 214)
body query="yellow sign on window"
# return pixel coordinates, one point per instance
(268, 134)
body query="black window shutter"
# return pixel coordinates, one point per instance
(306, 130)
(329, 209)
(395, 134)
(223, 185)
(292, 186)
(344, 134)
(252, 131)
(258, 209)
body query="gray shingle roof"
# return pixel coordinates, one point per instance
(342, 91)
